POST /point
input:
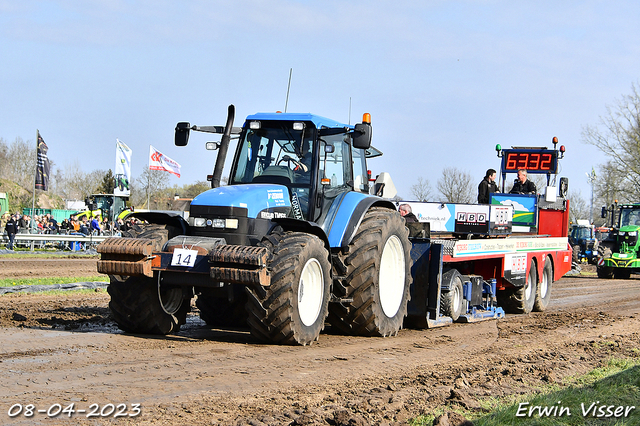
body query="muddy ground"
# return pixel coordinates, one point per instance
(65, 349)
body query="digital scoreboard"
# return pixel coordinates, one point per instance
(531, 160)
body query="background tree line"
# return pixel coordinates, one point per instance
(17, 174)
(616, 135)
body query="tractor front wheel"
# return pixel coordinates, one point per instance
(143, 305)
(293, 308)
(139, 305)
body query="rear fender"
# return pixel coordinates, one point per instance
(345, 215)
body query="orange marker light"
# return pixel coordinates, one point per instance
(366, 118)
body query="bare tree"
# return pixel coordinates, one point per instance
(617, 136)
(578, 207)
(4, 162)
(607, 184)
(151, 184)
(456, 186)
(421, 190)
(20, 160)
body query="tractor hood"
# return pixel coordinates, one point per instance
(629, 228)
(260, 200)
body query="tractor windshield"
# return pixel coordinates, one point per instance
(629, 217)
(581, 233)
(275, 153)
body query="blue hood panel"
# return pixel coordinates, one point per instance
(254, 197)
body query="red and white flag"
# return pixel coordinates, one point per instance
(159, 161)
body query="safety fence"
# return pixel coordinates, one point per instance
(72, 242)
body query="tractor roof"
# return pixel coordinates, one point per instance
(317, 120)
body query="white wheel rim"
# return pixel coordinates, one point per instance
(456, 299)
(544, 284)
(310, 292)
(528, 287)
(392, 276)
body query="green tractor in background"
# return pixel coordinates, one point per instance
(620, 250)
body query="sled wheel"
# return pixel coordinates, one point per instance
(451, 300)
(520, 300)
(293, 308)
(543, 290)
(378, 276)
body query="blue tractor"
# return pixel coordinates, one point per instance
(294, 241)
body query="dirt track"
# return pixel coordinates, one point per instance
(65, 349)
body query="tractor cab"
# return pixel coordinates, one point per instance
(286, 167)
(628, 228)
(315, 158)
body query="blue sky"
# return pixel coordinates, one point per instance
(444, 81)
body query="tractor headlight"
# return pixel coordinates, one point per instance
(216, 223)
(622, 234)
(213, 223)
(197, 221)
(633, 233)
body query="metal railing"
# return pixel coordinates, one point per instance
(73, 242)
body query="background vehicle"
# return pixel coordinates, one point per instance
(621, 258)
(584, 242)
(105, 205)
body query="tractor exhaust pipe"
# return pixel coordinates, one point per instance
(224, 147)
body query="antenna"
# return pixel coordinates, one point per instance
(349, 111)
(288, 87)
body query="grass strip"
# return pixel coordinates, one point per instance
(13, 282)
(45, 255)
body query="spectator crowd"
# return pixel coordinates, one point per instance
(87, 224)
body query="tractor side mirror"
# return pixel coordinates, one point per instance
(603, 212)
(362, 136)
(182, 133)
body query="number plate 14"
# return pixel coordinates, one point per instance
(184, 257)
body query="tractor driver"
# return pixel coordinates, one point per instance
(304, 155)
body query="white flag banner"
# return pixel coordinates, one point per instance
(123, 169)
(159, 161)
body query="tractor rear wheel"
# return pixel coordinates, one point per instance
(451, 300)
(621, 274)
(142, 304)
(520, 300)
(377, 266)
(293, 308)
(543, 290)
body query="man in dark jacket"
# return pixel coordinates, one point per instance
(487, 187)
(11, 229)
(405, 211)
(523, 185)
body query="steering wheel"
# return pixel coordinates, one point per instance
(290, 160)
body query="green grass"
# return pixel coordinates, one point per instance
(47, 255)
(617, 384)
(14, 282)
